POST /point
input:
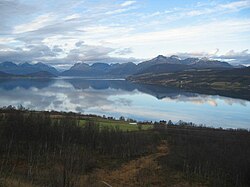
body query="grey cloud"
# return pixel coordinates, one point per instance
(59, 25)
(57, 49)
(78, 44)
(10, 9)
(34, 52)
(123, 102)
(89, 53)
(84, 53)
(67, 28)
(61, 28)
(193, 54)
(30, 39)
(233, 57)
(242, 57)
(237, 55)
(124, 51)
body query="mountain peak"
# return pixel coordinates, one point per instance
(8, 64)
(79, 66)
(210, 63)
(25, 64)
(26, 68)
(161, 57)
(40, 63)
(205, 59)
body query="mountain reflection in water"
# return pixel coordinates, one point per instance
(121, 98)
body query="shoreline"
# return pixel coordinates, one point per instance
(121, 120)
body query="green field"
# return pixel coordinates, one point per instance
(122, 125)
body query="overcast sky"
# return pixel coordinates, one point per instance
(63, 32)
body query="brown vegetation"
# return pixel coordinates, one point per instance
(37, 150)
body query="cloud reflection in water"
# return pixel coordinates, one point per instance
(120, 98)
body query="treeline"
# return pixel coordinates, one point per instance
(54, 152)
(44, 150)
(215, 157)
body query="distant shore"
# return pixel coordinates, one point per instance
(211, 82)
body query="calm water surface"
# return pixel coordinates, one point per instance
(120, 98)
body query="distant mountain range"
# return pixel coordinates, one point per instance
(171, 64)
(101, 70)
(159, 64)
(8, 69)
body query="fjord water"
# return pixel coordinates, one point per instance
(121, 98)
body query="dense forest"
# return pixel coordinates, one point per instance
(56, 149)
